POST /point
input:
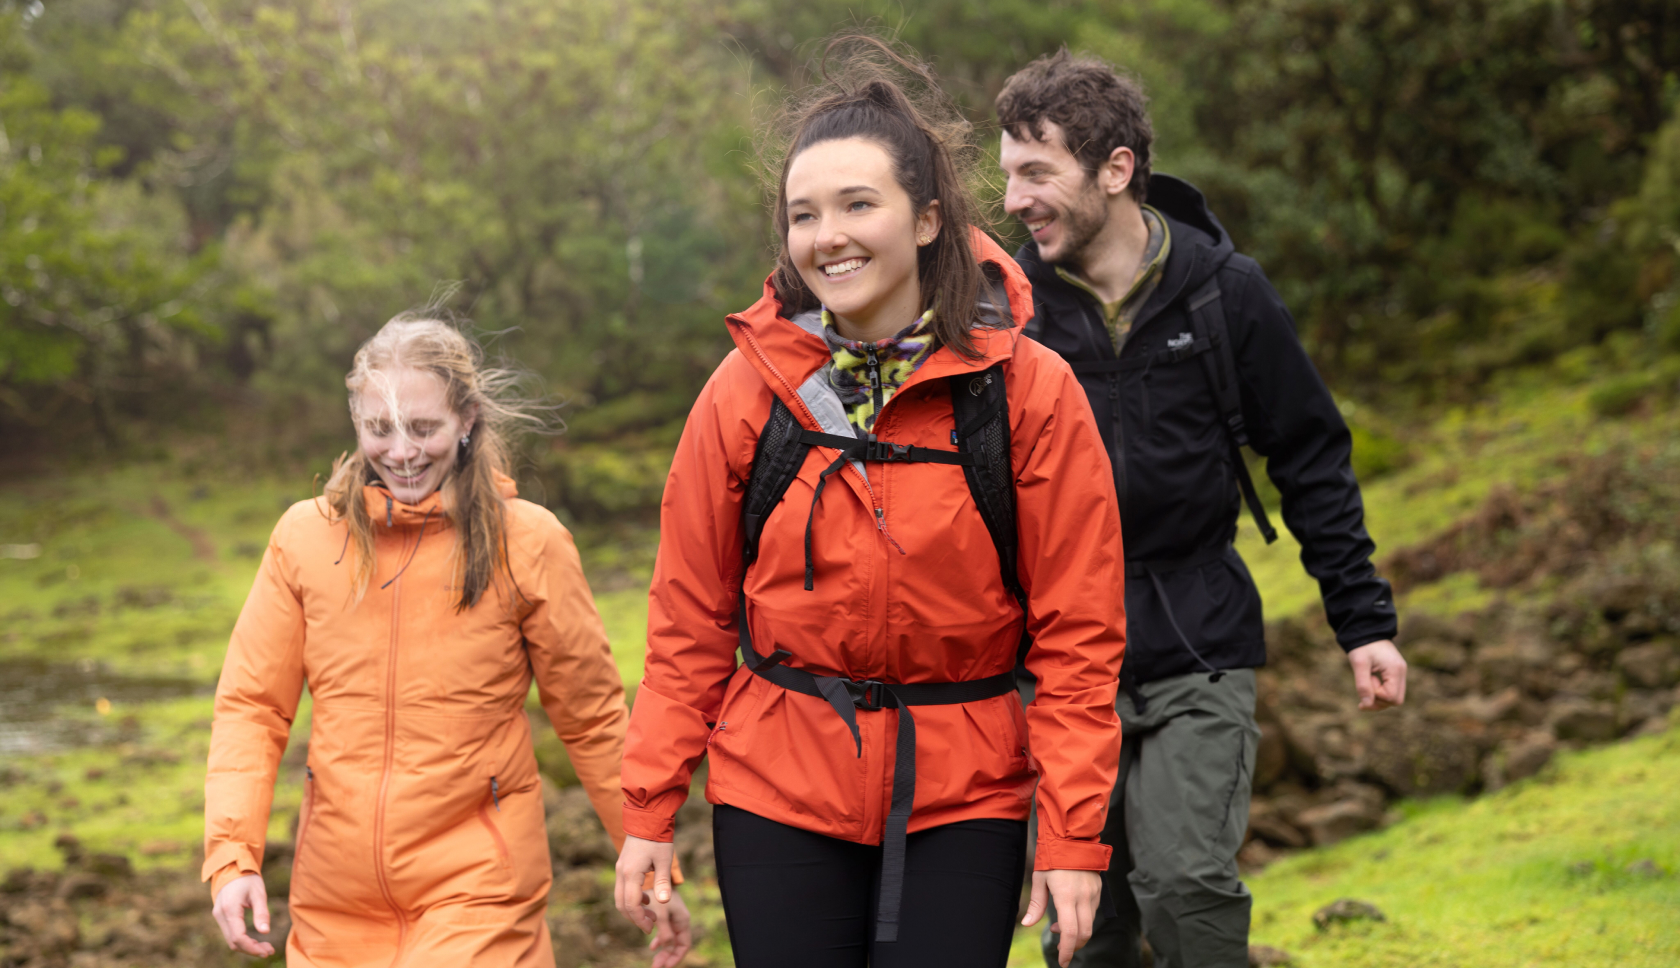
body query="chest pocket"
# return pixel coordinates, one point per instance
(1171, 393)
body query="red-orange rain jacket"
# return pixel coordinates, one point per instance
(935, 611)
(421, 839)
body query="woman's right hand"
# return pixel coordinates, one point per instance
(634, 861)
(245, 891)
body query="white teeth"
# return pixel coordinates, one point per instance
(843, 267)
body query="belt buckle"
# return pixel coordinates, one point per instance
(868, 695)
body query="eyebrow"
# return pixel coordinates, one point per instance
(849, 190)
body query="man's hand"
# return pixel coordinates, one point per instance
(235, 896)
(1379, 674)
(1076, 894)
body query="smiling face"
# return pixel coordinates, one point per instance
(1063, 206)
(853, 234)
(407, 431)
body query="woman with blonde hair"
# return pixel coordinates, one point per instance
(418, 598)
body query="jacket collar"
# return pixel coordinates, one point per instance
(1200, 245)
(431, 509)
(788, 352)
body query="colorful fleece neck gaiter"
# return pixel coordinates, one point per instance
(865, 389)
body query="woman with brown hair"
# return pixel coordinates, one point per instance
(870, 763)
(418, 599)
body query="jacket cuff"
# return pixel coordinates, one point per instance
(228, 854)
(221, 878)
(1071, 855)
(649, 824)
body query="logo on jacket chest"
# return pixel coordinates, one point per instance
(1180, 341)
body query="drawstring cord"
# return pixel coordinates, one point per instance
(1173, 620)
(416, 550)
(822, 482)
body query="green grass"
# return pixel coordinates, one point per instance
(1546, 872)
(1513, 439)
(1550, 871)
(117, 584)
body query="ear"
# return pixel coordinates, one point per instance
(469, 420)
(928, 223)
(1115, 175)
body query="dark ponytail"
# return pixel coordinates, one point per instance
(931, 150)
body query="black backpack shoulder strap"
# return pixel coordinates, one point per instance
(776, 463)
(980, 404)
(981, 407)
(1207, 313)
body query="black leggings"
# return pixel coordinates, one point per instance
(793, 897)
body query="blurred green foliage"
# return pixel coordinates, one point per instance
(207, 204)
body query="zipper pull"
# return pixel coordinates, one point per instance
(388, 511)
(495, 795)
(874, 368)
(309, 774)
(881, 526)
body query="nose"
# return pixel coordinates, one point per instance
(1015, 198)
(831, 239)
(402, 450)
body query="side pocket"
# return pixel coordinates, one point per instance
(490, 825)
(305, 810)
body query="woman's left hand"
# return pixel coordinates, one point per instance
(673, 937)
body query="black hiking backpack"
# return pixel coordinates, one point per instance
(981, 408)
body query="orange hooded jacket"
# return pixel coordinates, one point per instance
(421, 837)
(907, 589)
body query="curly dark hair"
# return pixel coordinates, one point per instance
(1097, 108)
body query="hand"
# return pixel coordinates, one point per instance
(637, 857)
(673, 939)
(1379, 674)
(243, 892)
(1076, 894)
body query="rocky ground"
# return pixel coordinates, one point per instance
(99, 912)
(1580, 645)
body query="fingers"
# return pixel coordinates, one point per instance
(259, 906)
(229, 913)
(1379, 675)
(662, 880)
(1362, 681)
(1036, 904)
(1076, 912)
(675, 937)
(628, 896)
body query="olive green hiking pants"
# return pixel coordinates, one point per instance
(1176, 819)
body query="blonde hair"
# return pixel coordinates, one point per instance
(471, 497)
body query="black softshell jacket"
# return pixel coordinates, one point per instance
(1172, 456)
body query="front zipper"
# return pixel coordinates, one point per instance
(381, 873)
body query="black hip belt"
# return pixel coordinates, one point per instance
(847, 696)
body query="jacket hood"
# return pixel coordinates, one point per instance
(1200, 244)
(382, 506)
(787, 352)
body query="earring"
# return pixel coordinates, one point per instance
(924, 240)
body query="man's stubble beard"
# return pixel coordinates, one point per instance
(1081, 223)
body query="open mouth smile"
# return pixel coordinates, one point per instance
(846, 268)
(409, 476)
